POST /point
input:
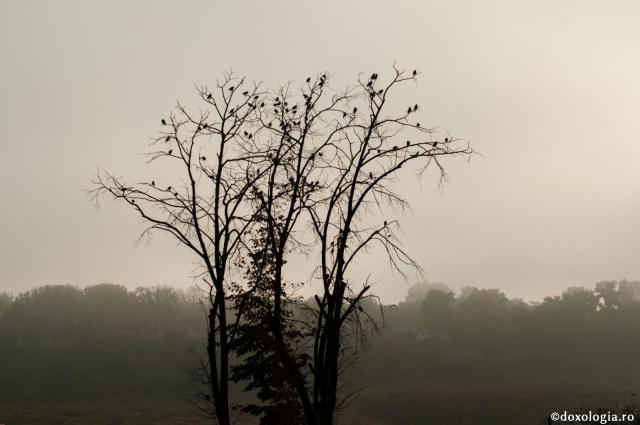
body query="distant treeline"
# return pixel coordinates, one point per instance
(481, 334)
(105, 339)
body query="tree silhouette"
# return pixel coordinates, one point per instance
(215, 164)
(336, 162)
(311, 172)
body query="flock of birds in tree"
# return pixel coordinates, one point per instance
(284, 104)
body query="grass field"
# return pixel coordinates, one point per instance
(451, 403)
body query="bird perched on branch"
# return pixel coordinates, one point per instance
(164, 122)
(415, 72)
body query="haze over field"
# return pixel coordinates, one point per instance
(548, 92)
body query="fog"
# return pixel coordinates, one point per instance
(547, 92)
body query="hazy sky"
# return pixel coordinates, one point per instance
(547, 91)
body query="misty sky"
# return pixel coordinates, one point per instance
(547, 91)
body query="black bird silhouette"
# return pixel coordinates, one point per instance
(204, 158)
(168, 187)
(446, 139)
(418, 124)
(164, 122)
(370, 175)
(167, 138)
(355, 110)
(308, 79)
(408, 142)
(415, 107)
(209, 96)
(409, 110)
(245, 93)
(262, 104)
(369, 84)
(380, 91)
(231, 88)
(344, 114)
(395, 147)
(170, 150)
(153, 183)
(415, 72)
(385, 223)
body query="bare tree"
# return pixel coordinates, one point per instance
(298, 172)
(337, 158)
(215, 161)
